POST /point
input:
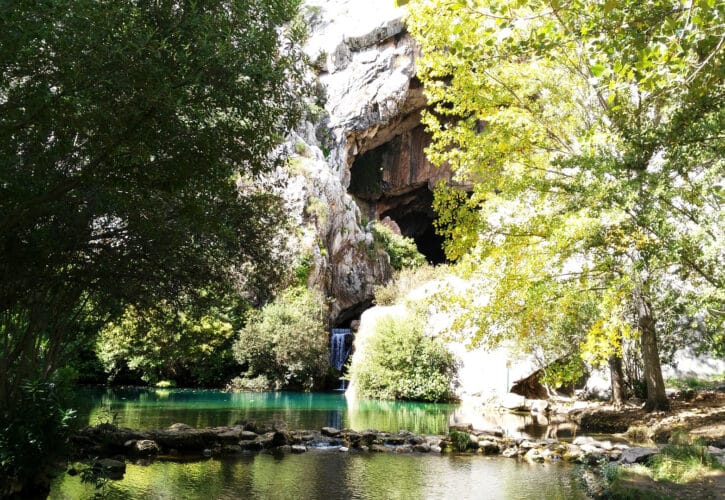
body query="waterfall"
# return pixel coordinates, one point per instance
(338, 350)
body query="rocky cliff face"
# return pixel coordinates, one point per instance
(360, 155)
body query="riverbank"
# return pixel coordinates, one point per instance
(700, 414)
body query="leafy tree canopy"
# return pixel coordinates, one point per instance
(133, 138)
(286, 342)
(593, 135)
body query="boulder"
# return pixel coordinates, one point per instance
(110, 468)
(247, 436)
(637, 454)
(298, 448)
(330, 431)
(488, 447)
(538, 405)
(145, 447)
(513, 402)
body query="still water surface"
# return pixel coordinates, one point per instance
(327, 474)
(333, 475)
(148, 408)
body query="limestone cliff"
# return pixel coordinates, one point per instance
(359, 156)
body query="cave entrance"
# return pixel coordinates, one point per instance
(413, 213)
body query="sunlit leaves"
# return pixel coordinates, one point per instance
(587, 131)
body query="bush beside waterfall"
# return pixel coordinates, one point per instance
(401, 362)
(285, 344)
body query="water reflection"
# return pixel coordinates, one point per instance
(148, 408)
(337, 475)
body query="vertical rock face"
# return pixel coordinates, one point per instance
(360, 156)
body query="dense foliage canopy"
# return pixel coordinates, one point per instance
(592, 133)
(400, 361)
(132, 136)
(285, 344)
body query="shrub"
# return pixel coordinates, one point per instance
(404, 281)
(286, 341)
(401, 362)
(402, 250)
(173, 343)
(460, 441)
(34, 434)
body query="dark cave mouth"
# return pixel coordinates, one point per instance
(414, 215)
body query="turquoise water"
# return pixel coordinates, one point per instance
(335, 475)
(328, 474)
(149, 408)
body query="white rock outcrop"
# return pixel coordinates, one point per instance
(365, 63)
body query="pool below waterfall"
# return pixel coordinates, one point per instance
(329, 473)
(151, 408)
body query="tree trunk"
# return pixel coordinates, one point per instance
(656, 397)
(616, 374)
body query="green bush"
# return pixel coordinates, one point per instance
(286, 341)
(173, 343)
(460, 441)
(402, 250)
(401, 362)
(34, 434)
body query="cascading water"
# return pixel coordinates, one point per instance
(339, 349)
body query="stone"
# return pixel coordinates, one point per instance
(394, 440)
(538, 405)
(113, 469)
(298, 448)
(534, 455)
(229, 435)
(344, 449)
(379, 448)
(251, 445)
(637, 454)
(247, 436)
(489, 447)
(436, 449)
(513, 402)
(510, 452)
(330, 431)
(422, 448)
(179, 427)
(145, 447)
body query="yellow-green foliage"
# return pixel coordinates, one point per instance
(163, 343)
(574, 123)
(401, 362)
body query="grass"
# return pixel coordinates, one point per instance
(695, 383)
(682, 461)
(676, 470)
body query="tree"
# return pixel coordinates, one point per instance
(592, 132)
(190, 346)
(133, 138)
(286, 342)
